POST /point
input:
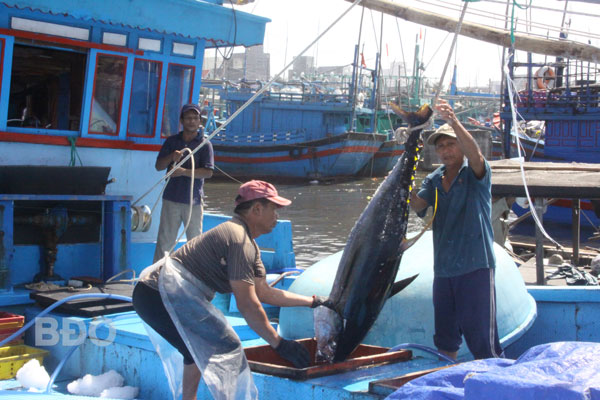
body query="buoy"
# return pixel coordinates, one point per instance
(544, 78)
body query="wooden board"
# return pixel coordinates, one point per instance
(501, 37)
(88, 307)
(546, 179)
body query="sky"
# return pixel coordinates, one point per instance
(296, 23)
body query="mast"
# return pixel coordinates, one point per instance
(376, 93)
(355, 73)
(415, 97)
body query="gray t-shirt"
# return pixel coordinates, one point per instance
(225, 253)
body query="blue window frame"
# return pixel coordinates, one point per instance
(144, 98)
(180, 80)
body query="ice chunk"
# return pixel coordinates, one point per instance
(125, 392)
(33, 375)
(91, 385)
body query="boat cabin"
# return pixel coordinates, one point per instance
(108, 70)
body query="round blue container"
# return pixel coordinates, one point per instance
(408, 316)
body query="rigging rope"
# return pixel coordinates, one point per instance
(247, 103)
(511, 89)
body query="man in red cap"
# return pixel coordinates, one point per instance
(176, 197)
(225, 259)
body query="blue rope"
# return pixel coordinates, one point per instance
(52, 307)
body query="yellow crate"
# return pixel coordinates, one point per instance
(12, 358)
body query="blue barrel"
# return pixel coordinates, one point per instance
(408, 316)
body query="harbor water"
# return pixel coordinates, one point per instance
(322, 215)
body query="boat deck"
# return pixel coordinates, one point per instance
(132, 355)
(545, 180)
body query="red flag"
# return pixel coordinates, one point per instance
(362, 60)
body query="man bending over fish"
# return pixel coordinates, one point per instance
(173, 296)
(464, 296)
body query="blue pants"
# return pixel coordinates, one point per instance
(466, 305)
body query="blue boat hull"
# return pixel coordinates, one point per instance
(336, 156)
(560, 213)
(560, 216)
(384, 160)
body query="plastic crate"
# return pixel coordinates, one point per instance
(12, 358)
(10, 320)
(4, 333)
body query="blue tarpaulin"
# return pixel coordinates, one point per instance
(561, 371)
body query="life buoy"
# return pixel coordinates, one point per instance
(544, 78)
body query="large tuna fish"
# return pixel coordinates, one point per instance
(370, 261)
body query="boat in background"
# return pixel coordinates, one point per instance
(301, 130)
(102, 84)
(560, 123)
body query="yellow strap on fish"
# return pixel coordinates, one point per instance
(407, 243)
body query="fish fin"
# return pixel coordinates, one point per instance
(400, 285)
(407, 243)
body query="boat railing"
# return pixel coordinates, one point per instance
(287, 97)
(261, 138)
(564, 88)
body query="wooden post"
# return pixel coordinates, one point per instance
(576, 211)
(539, 243)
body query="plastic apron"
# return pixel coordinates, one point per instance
(214, 345)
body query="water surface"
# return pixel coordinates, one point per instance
(322, 215)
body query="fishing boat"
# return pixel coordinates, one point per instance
(301, 130)
(114, 338)
(560, 115)
(95, 224)
(101, 83)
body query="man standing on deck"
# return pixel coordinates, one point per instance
(173, 296)
(176, 197)
(464, 296)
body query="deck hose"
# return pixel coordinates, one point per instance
(424, 348)
(52, 307)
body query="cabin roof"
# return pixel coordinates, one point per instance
(546, 179)
(197, 19)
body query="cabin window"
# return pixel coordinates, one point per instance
(46, 87)
(144, 98)
(108, 94)
(180, 80)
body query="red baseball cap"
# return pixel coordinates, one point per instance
(254, 189)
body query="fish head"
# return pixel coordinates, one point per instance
(328, 327)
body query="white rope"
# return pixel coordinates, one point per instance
(424, 125)
(245, 105)
(511, 89)
(189, 218)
